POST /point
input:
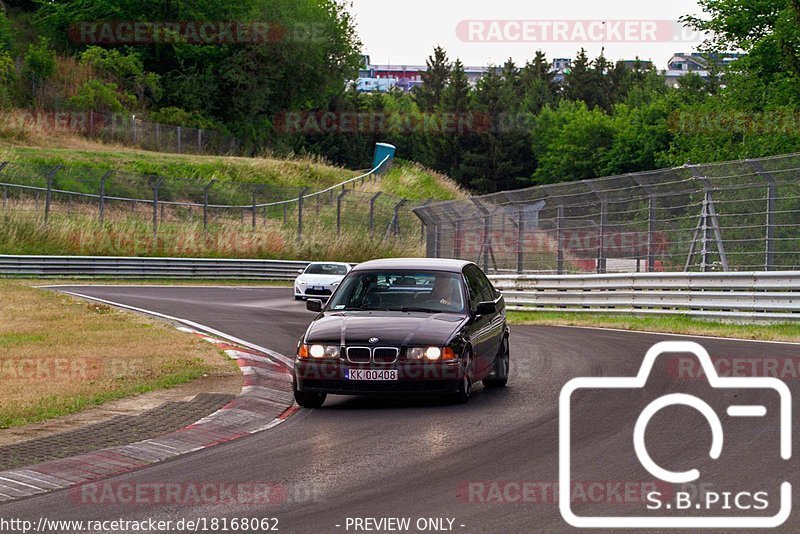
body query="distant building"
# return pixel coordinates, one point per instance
(384, 78)
(681, 64)
(560, 68)
(641, 64)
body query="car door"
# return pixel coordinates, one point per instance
(497, 322)
(480, 325)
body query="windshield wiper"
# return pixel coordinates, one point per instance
(406, 309)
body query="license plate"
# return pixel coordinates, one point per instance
(369, 375)
(317, 288)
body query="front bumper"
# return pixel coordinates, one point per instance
(308, 292)
(413, 377)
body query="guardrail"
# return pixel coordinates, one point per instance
(745, 295)
(174, 268)
(737, 295)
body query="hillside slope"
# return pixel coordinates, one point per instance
(272, 232)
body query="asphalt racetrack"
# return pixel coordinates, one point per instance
(490, 465)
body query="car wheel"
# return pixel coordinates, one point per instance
(499, 377)
(297, 297)
(309, 400)
(465, 388)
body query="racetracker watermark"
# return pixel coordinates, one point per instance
(84, 122)
(62, 369)
(576, 31)
(779, 122)
(121, 32)
(784, 368)
(193, 493)
(547, 492)
(354, 123)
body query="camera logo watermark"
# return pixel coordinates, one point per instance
(748, 500)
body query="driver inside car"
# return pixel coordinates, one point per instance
(445, 293)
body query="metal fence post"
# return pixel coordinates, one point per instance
(285, 212)
(487, 236)
(206, 189)
(5, 189)
(158, 134)
(300, 214)
(199, 140)
(179, 139)
(258, 189)
(520, 240)
(457, 239)
(601, 238)
(397, 216)
(651, 235)
(49, 195)
(102, 203)
(437, 240)
(372, 214)
(156, 185)
(422, 223)
(769, 245)
(339, 211)
(560, 240)
(705, 228)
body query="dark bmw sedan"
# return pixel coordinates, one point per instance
(405, 326)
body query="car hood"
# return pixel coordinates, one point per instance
(394, 329)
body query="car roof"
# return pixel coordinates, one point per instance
(329, 263)
(433, 264)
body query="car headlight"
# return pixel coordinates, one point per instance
(431, 354)
(318, 352)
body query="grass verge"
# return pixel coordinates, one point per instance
(677, 324)
(60, 355)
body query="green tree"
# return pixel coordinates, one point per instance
(39, 62)
(538, 84)
(434, 80)
(570, 142)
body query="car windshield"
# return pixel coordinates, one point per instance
(407, 291)
(326, 268)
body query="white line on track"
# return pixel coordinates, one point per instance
(203, 328)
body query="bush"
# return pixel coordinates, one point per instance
(8, 71)
(40, 62)
(183, 118)
(6, 35)
(100, 96)
(126, 69)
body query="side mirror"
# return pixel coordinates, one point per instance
(314, 305)
(300, 271)
(486, 308)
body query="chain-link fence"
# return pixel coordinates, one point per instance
(732, 216)
(160, 137)
(109, 199)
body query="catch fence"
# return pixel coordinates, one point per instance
(731, 216)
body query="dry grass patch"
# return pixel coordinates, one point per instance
(59, 355)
